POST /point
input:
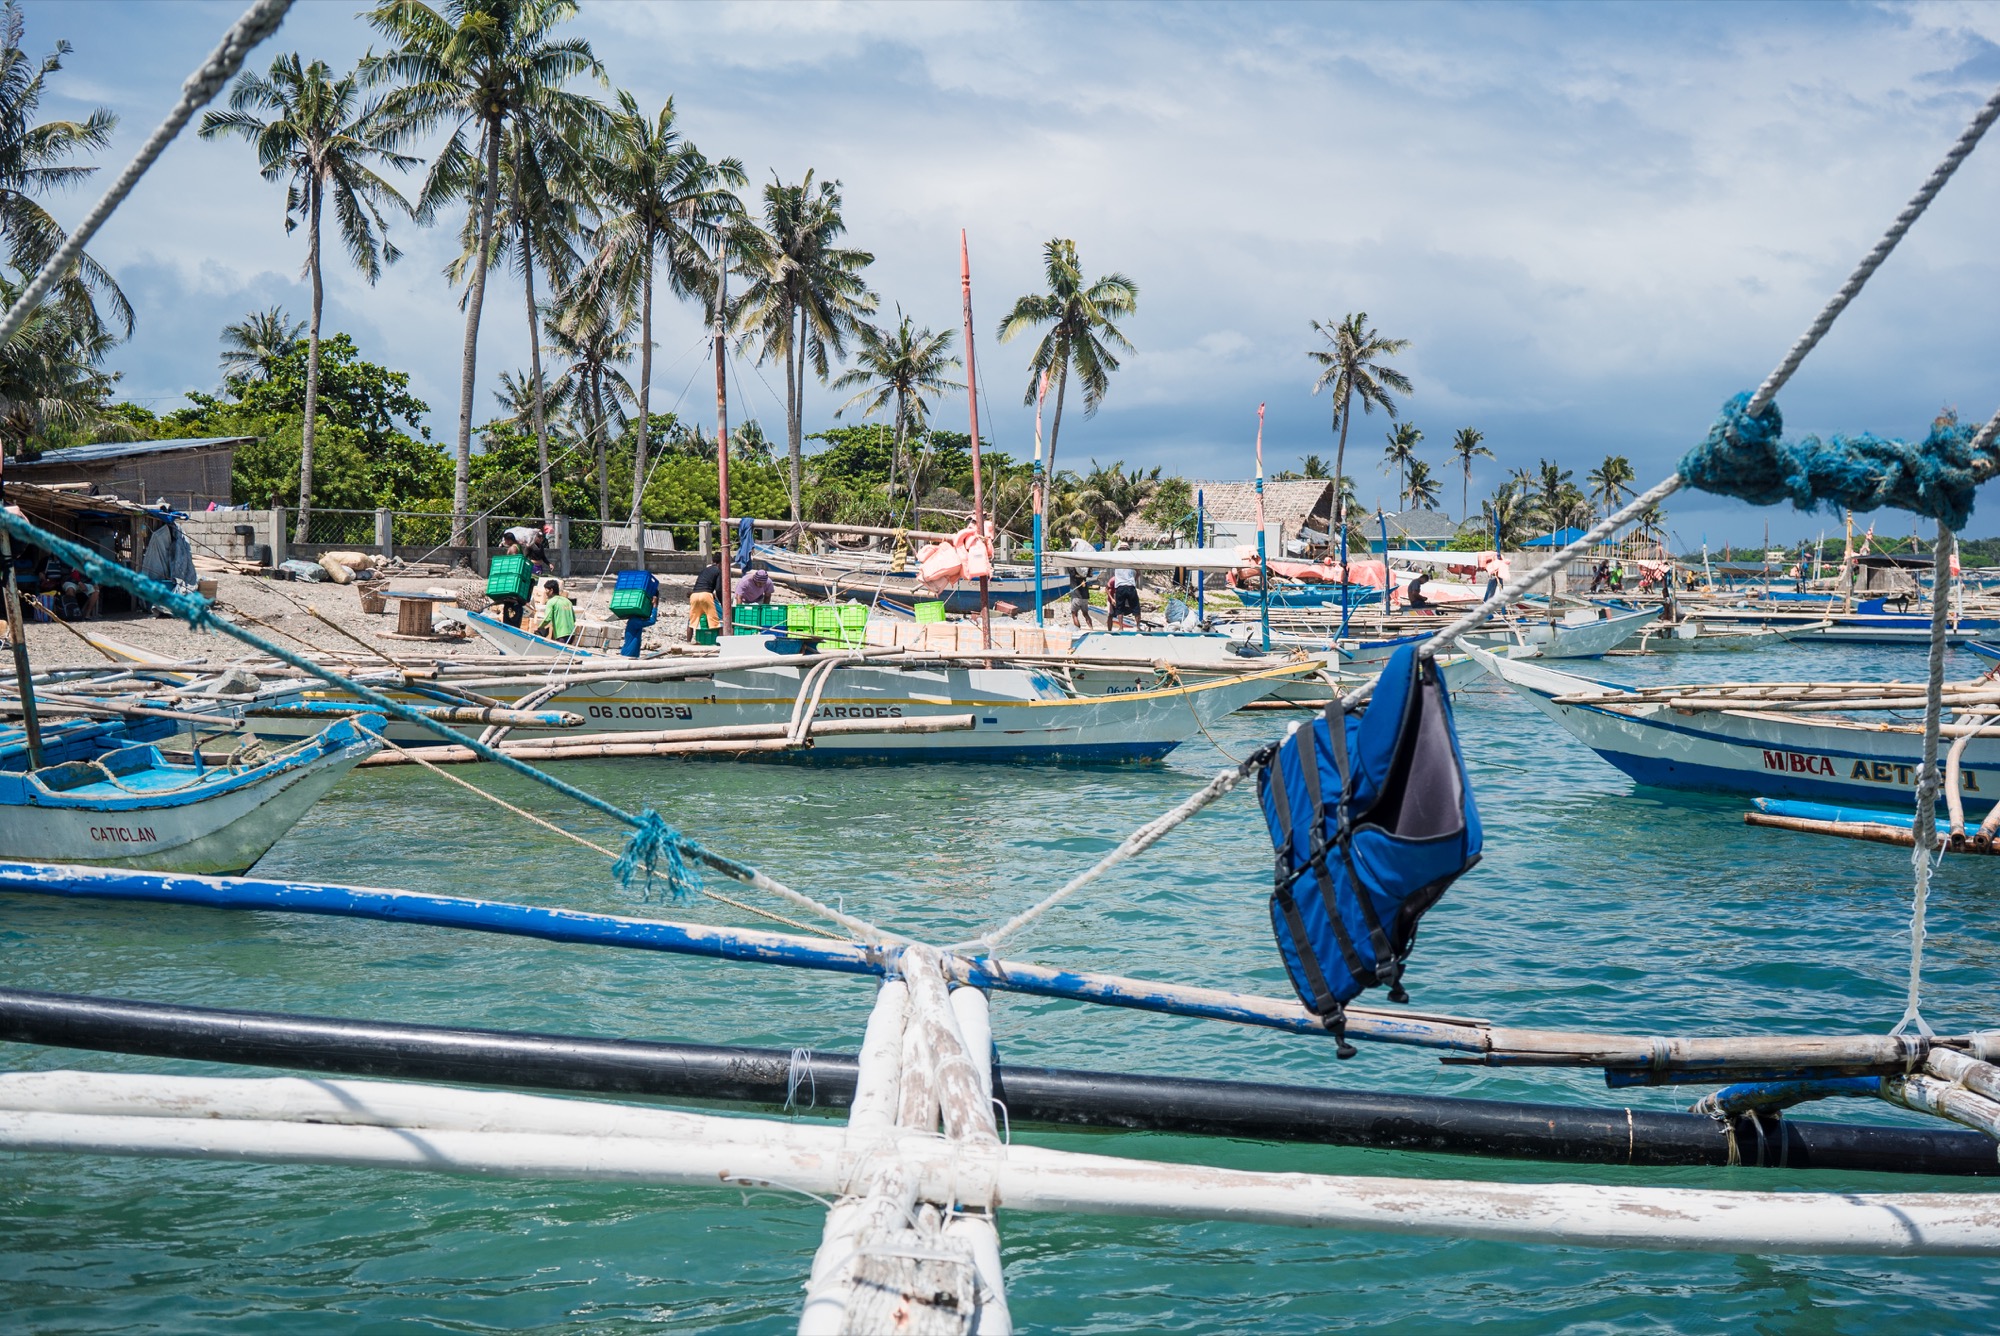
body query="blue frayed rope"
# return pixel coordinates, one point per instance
(1748, 457)
(654, 843)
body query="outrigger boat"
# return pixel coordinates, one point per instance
(105, 794)
(1768, 739)
(872, 576)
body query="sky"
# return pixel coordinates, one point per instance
(1594, 223)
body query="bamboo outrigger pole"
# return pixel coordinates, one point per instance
(1263, 563)
(724, 588)
(972, 402)
(17, 634)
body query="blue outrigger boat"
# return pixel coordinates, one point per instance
(105, 794)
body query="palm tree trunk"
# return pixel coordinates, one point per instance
(308, 431)
(597, 434)
(1465, 493)
(645, 401)
(1055, 430)
(534, 347)
(475, 298)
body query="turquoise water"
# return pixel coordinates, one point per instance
(1598, 905)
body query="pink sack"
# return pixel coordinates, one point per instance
(941, 566)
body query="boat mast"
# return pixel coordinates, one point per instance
(1041, 393)
(17, 632)
(978, 487)
(1263, 561)
(726, 587)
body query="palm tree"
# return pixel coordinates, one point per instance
(35, 160)
(1609, 481)
(253, 347)
(1351, 366)
(806, 293)
(1079, 317)
(593, 333)
(1402, 452)
(325, 143)
(1312, 466)
(666, 207)
(537, 225)
(1466, 445)
(1107, 497)
(905, 367)
(479, 67)
(1555, 493)
(51, 376)
(1507, 515)
(1423, 488)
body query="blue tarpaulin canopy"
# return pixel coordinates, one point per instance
(1560, 538)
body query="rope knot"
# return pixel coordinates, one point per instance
(654, 843)
(1748, 457)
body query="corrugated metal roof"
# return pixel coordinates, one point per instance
(1290, 503)
(1421, 524)
(103, 450)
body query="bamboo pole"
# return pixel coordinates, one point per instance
(811, 1159)
(1927, 1094)
(17, 635)
(670, 742)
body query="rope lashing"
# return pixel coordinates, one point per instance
(655, 842)
(1923, 834)
(1747, 456)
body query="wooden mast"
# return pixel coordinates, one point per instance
(17, 633)
(978, 484)
(727, 586)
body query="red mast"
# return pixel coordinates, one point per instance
(972, 401)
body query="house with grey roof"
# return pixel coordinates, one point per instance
(186, 474)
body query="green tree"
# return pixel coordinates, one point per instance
(1402, 454)
(1610, 482)
(1352, 367)
(666, 206)
(253, 345)
(1508, 516)
(322, 140)
(479, 67)
(901, 370)
(1312, 466)
(35, 161)
(53, 390)
(1080, 334)
(1466, 445)
(1170, 509)
(592, 332)
(806, 295)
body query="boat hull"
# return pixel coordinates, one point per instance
(1018, 714)
(1747, 751)
(223, 829)
(823, 581)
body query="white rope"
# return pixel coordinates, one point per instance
(1873, 260)
(1923, 834)
(257, 23)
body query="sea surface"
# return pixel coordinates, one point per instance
(1598, 905)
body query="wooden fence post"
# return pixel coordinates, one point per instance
(562, 546)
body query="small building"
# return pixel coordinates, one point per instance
(115, 529)
(188, 475)
(1292, 507)
(1410, 530)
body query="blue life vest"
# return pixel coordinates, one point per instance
(1371, 816)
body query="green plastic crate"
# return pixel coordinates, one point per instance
(930, 612)
(630, 596)
(853, 624)
(509, 576)
(747, 620)
(775, 614)
(799, 619)
(706, 634)
(826, 622)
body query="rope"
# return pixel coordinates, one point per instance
(1923, 835)
(1873, 260)
(257, 23)
(652, 838)
(571, 835)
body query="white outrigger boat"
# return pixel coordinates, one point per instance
(105, 794)
(1583, 633)
(1702, 739)
(1016, 714)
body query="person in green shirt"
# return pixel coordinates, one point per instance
(558, 614)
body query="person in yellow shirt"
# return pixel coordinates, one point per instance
(558, 614)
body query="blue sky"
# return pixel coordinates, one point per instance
(1594, 222)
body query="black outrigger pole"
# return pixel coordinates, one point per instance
(771, 1078)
